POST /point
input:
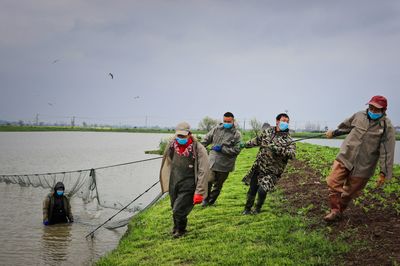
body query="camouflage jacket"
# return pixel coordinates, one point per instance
(276, 148)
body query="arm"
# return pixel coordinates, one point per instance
(254, 142)
(46, 204)
(203, 171)
(345, 127)
(208, 138)
(386, 157)
(69, 212)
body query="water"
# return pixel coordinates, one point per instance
(338, 142)
(23, 238)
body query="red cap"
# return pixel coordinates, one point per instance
(378, 101)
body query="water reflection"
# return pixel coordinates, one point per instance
(56, 240)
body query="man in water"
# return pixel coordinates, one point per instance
(56, 207)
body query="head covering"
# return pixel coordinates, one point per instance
(59, 186)
(379, 102)
(182, 128)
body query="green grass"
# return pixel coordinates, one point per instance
(221, 235)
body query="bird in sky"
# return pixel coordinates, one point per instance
(55, 61)
(111, 75)
(136, 97)
(50, 104)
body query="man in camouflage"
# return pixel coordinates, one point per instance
(276, 148)
(225, 141)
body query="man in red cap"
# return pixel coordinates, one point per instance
(371, 138)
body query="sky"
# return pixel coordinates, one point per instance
(173, 61)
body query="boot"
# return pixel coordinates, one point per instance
(336, 212)
(249, 204)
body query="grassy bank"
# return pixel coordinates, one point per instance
(221, 235)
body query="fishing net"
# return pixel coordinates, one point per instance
(112, 186)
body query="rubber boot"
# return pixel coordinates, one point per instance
(249, 204)
(336, 212)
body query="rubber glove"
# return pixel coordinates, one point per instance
(242, 145)
(381, 180)
(329, 134)
(217, 148)
(197, 199)
(45, 222)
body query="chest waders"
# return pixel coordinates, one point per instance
(181, 189)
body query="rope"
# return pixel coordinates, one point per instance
(126, 206)
(83, 170)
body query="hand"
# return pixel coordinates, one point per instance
(242, 145)
(217, 148)
(381, 180)
(71, 220)
(329, 134)
(197, 199)
(45, 222)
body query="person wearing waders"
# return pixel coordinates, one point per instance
(184, 174)
(371, 138)
(225, 140)
(56, 207)
(276, 148)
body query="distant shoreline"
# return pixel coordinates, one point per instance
(246, 135)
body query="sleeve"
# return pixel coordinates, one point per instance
(287, 149)
(208, 138)
(386, 158)
(69, 211)
(46, 204)
(234, 148)
(345, 127)
(203, 171)
(254, 142)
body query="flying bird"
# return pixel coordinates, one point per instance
(50, 104)
(55, 61)
(136, 97)
(111, 75)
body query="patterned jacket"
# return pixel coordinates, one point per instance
(276, 148)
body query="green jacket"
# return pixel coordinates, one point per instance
(229, 139)
(48, 205)
(368, 141)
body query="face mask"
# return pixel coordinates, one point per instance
(374, 116)
(228, 125)
(60, 192)
(181, 141)
(283, 125)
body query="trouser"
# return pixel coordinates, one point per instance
(343, 187)
(181, 195)
(255, 189)
(215, 186)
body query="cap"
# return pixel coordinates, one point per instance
(378, 101)
(182, 128)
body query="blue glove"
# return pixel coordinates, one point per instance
(46, 222)
(217, 148)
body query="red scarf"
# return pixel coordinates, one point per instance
(184, 150)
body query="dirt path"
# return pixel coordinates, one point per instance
(377, 231)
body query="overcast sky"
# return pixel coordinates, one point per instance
(184, 60)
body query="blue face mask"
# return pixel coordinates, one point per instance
(374, 116)
(228, 125)
(181, 141)
(60, 192)
(283, 125)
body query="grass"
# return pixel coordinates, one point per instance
(221, 235)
